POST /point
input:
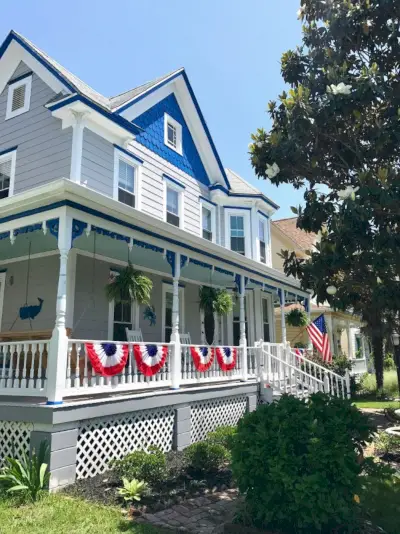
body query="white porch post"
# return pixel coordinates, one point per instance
(77, 144)
(57, 357)
(283, 320)
(242, 319)
(329, 324)
(349, 342)
(175, 339)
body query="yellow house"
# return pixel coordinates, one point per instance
(343, 328)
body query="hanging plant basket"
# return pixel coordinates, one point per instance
(217, 301)
(128, 285)
(297, 317)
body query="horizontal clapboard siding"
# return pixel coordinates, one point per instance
(44, 149)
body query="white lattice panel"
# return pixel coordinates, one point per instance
(101, 440)
(210, 414)
(14, 439)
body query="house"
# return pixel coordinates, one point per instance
(88, 184)
(343, 328)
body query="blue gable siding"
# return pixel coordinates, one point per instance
(152, 122)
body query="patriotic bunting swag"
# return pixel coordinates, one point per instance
(226, 357)
(107, 359)
(150, 358)
(202, 358)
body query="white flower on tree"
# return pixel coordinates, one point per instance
(349, 192)
(339, 89)
(272, 170)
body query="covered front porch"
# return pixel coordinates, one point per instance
(55, 264)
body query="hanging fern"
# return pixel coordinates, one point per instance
(129, 285)
(215, 300)
(297, 317)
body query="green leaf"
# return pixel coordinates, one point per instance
(294, 210)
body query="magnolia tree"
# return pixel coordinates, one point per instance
(336, 135)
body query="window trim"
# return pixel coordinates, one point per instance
(245, 213)
(27, 81)
(130, 160)
(265, 223)
(178, 127)
(168, 288)
(10, 154)
(268, 297)
(180, 189)
(212, 208)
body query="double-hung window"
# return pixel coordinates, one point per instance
(172, 133)
(19, 96)
(262, 241)
(126, 179)
(173, 215)
(7, 173)
(238, 243)
(206, 216)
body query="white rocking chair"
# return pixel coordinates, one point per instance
(185, 339)
(134, 336)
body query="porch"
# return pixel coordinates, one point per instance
(55, 263)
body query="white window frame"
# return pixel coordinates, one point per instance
(2, 290)
(212, 209)
(27, 81)
(122, 156)
(268, 298)
(12, 154)
(135, 316)
(178, 127)
(168, 288)
(180, 189)
(264, 221)
(249, 319)
(229, 212)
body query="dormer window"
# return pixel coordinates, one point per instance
(172, 134)
(19, 96)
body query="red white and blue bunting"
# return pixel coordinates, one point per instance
(203, 357)
(107, 359)
(227, 357)
(150, 358)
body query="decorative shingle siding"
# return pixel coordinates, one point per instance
(152, 122)
(44, 149)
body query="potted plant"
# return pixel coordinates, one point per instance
(128, 285)
(297, 317)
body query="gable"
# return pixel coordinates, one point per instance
(152, 137)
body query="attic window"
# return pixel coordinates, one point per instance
(19, 97)
(172, 134)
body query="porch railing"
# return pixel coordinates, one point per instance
(189, 374)
(23, 368)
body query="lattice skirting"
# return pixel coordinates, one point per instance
(14, 439)
(208, 415)
(101, 440)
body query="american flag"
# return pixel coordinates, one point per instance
(319, 337)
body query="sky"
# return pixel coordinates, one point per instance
(231, 51)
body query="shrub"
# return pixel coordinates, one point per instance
(29, 475)
(151, 467)
(385, 443)
(132, 490)
(224, 435)
(205, 456)
(298, 463)
(380, 502)
(390, 386)
(388, 362)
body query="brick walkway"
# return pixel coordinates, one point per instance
(202, 515)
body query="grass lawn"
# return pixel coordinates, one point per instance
(378, 405)
(57, 514)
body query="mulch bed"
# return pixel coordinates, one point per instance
(177, 488)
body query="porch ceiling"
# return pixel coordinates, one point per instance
(39, 243)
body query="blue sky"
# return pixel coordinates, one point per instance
(231, 50)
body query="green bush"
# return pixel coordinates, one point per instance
(224, 435)
(380, 502)
(151, 467)
(388, 362)
(205, 456)
(298, 463)
(385, 443)
(390, 386)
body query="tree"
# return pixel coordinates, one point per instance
(336, 133)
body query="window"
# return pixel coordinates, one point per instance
(261, 239)
(122, 314)
(19, 97)
(7, 174)
(172, 206)
(265, 317)
(126, 179)
(237, 234)
(207, 223)
(172, 134)
(167, 311)
(236, 321)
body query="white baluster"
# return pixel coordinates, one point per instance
(16, 384)
(68, 373)
(41, 347)
(4, 355)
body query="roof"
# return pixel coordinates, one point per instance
(304, 240)
(239, 186)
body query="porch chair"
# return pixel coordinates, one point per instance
(185, 339)
(134, 336)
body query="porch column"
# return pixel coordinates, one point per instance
(57, 357)
(307, 305)
(283, 320)
(175, 339)
(363, 351)
(329, 324)
(242, 319)
(349, 342)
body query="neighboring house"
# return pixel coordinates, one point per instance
(343, 328)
